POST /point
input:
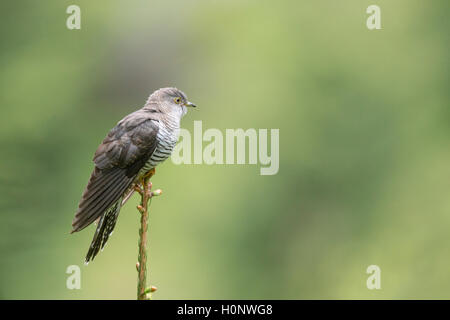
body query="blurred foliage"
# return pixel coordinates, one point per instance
(364, 147)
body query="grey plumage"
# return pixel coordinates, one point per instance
(138, 143)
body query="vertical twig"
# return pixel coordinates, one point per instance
(143, 293)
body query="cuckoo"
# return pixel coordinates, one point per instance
(132, 149)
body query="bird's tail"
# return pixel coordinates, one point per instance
(104, 229)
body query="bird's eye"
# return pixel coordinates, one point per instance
(177, 100)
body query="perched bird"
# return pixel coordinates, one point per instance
(136, 145)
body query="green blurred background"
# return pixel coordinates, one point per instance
(364, 147)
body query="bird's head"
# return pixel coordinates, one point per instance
(170, 101)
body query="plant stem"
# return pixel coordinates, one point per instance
(142, 256)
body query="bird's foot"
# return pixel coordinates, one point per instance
(146, 177)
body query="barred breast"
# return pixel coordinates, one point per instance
(167, 139)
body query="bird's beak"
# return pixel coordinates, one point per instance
(190, 104)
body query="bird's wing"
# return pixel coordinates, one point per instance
(117, 160)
